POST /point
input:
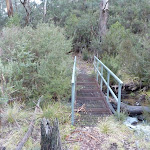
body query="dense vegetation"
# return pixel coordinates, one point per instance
(36, 59)
(128, 37)
(28, 52)
(125, 48)
(33, 62)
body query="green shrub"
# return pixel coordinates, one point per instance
(13, 21)
(146, 116)
(95, 45)
(113, 64)
(82, 23)
(135, 55)
(111, 42)
(131, 51)
(13, 113)
(132, 14)
(71, 23)
(85, 55)
(56, 110)
(121, 116)
(34, 62)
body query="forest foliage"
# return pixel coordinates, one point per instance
(34, 60)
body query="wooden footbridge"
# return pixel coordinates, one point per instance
(88, 101)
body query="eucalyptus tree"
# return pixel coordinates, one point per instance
(3, 13)
(9, 8)
(103, 18)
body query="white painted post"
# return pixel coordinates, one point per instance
(102, 76)
(97, 71)
(72, 103)
(108, 78)
(119, 98)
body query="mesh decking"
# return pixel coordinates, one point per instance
(90, 103)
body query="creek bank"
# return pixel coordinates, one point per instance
(135, 98)
(140, 127)
(135, 101)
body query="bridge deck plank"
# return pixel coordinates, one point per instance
(90, 103)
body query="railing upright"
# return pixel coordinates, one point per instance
(101, 78)
(119, 98)
(108, 79)
(97, 72)
(109, 90)
(73, 82)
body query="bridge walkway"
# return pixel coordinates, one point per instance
(90, 104)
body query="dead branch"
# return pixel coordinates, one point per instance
(82, 108)
(89, 135)
(74, 140)
(31, 126)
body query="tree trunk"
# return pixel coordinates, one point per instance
(103, 18)
(131, 109)
(16, 7)
(45, 3)
(25, 4)
(9, 8)
(50, 138)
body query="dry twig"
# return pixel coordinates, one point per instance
(89, 135)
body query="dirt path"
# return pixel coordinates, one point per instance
(84, 67)
(108, 134)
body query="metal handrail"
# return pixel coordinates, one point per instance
(109, 72)
(73, 82)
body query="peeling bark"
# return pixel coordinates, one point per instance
(9, 8)
(50, 138)
(103, 18)
(45, 3)
(25, 4)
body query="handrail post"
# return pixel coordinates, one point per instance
(73, 91)
(119, 98)
(94, 63)
(72, 103)
(97, 71)
(108, 79)
(107, 83)
(102, 76)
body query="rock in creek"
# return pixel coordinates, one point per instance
(131, 120)
(140, 118)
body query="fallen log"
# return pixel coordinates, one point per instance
(30, 129)
(131, 109)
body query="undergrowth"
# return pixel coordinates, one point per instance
(13, 113)
(34, 62)
(57, 110)
(16, 119)
(120, 135)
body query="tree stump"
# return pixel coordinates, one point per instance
(50, 138)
